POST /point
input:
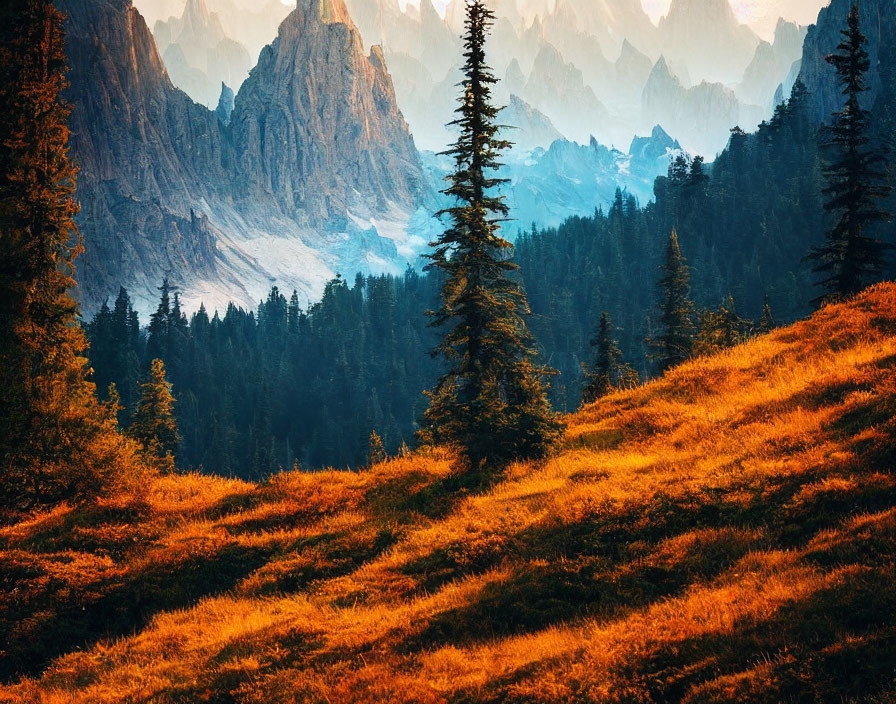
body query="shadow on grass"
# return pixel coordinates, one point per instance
(838, 644)
(116, 608)
(613, 563)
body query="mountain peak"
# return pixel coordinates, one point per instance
(328, 11)
(706, 37)
(428, 13)
(788, 33)
(659, 134)
(661, 71)
(225, 104)
(341, 109)
(703, 11)
(197, 13)
(630, 54)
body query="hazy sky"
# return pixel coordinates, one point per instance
(802, 11)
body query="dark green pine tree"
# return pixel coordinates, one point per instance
(491, 404)
(158, 342)
(851, 258)
(178, 344)
(154, 425)
(293, 312)
(675, 343)
(126, 339)
(609, 372)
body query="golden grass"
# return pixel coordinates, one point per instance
(724, 534)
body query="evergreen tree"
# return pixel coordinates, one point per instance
(609, 372)
(376, 454)
(154, 425)
(293, 312)
(158, 342)
(674, 345)
(56, 441)
(126, 356)
(851, 258)
(491, 405)
(177, 345)
(697, 176)
(679, 169)
(101, 331)
(263, 462)
(720, 329)
(767, 320)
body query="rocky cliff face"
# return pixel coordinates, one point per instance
(318, 163)
(146, 152)
(316, 126)
(878, 21)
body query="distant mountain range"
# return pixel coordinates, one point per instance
(315, 173)
(309, 168)
(586, 66)
(199, 55)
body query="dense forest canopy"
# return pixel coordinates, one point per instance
(261, 391)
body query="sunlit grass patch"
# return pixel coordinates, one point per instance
(723, 534)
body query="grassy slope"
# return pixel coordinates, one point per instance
(727, 533)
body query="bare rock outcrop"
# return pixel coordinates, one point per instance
(316, 152)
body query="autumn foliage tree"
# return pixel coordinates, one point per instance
(56, 441)
(491, 404)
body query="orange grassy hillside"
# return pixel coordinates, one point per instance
(725, 534)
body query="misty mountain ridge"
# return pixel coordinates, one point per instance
(199, 55)
(298, 187)
(273, 191)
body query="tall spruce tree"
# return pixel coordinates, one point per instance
(675, 343)
(491, 405)
(609, 371)
(125, 338)
(56, 441)
(851, 258)
(154, 425)
(159, 330)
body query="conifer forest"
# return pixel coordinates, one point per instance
(348, 355)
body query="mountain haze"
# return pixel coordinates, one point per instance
(585, 65)
(167, 189)
(199, 55)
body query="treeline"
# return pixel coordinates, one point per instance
(260, 391)
(745, 226)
